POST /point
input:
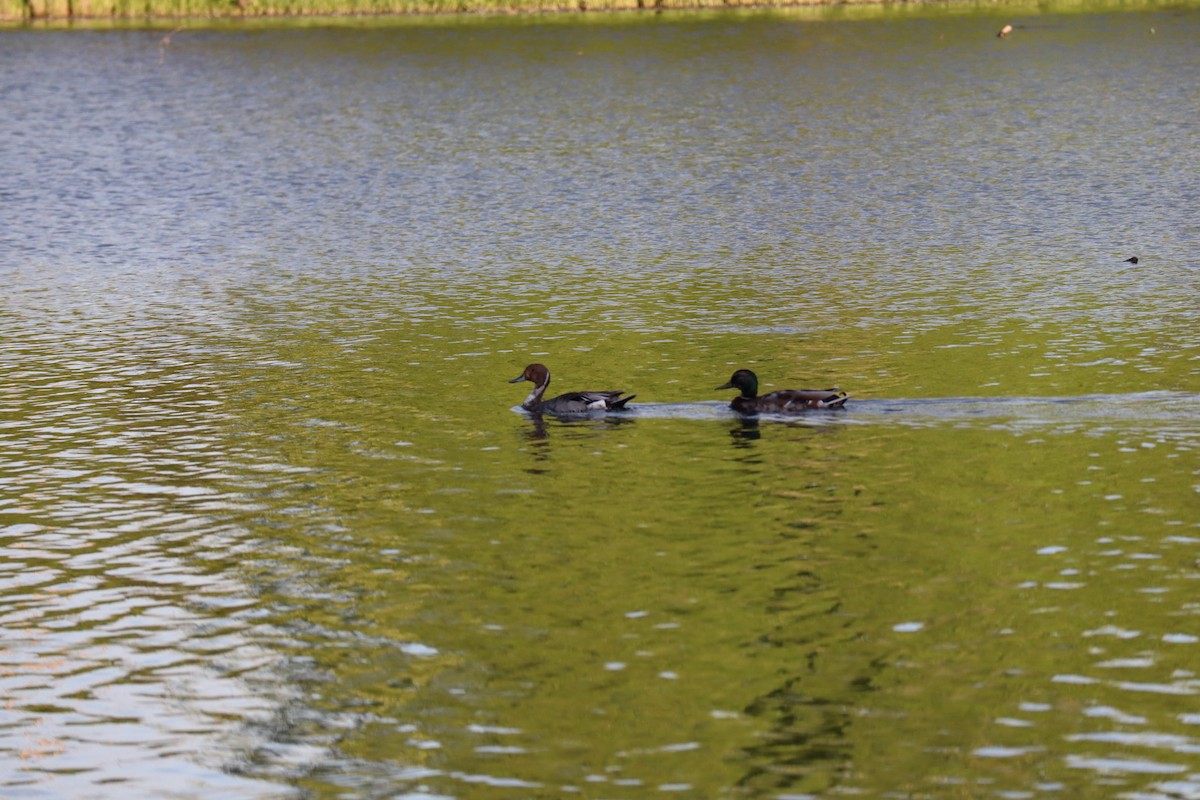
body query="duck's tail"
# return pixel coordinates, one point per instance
(837, 402)
(619, 404)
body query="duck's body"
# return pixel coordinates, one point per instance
(569, 403)
(785, 401)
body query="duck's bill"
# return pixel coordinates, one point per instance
(727, 385)
(518, 379)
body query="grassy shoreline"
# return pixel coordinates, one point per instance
(199, 13)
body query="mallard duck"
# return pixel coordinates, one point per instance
(785, 401)
(570, 403)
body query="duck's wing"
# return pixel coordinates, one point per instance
(803, 399)
(589, 401)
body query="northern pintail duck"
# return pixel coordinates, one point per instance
(784, 401)
(570, 403)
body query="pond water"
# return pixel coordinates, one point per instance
(272, 526)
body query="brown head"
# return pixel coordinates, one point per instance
(537, 373)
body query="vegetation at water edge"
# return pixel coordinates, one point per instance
(53, 11)
(142, 9)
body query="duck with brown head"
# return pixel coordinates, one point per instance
(570, 403)
(785, 401)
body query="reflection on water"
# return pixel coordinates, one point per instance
(129, 641)
(271, 527)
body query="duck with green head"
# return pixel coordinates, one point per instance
(784, 401)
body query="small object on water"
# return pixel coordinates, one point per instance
(784, 401)
(1131, 260)
(1005, 31)
(570, 403)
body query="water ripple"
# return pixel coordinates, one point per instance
(266, 522)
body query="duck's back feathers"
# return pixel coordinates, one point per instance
(787, 400)
(583, 402)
